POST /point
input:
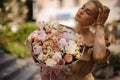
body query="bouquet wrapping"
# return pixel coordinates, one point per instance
(55, 45)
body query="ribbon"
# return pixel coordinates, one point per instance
(51, 73)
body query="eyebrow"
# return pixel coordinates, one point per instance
(83, 6)
(88, 10)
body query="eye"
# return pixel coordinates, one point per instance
(88, 12)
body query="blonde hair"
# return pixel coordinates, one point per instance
(97, 3)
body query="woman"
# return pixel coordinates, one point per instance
(91, 18)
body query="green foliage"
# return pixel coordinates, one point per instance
(18, 49)
(13, 42)
(24, 31)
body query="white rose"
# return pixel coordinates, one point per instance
(71, 47)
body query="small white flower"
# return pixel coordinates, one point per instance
(40, 56)
(50, 62)
(55, 26)
(54, 31)
(65, 29)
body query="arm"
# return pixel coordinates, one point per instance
(99, 48)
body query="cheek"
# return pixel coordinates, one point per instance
(85, 20)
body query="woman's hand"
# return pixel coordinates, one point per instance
(99, 49)
(103, 15)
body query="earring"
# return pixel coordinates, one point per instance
(92, 29)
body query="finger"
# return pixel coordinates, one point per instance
(100, 10)
(104, 9)
(107, 9)
(106, 12)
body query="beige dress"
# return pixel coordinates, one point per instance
(81, 70)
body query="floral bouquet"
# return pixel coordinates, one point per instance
(55, 45)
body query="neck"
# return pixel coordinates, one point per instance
(82, 29)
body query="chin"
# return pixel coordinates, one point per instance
(76, 19)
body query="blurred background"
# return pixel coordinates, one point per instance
(18, 18)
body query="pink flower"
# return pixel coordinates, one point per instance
(57, 56)
(63, 42)
(41, 25)
(56, 47)
(67, 36)
(61, 62)
(68, 58)
(33, 35)
(37, 49)
(40, 32)
(41, 35)
(59, 35)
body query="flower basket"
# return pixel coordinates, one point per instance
(54, 47)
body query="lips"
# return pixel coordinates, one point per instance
(78, 15)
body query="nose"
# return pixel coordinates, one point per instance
(81, 11)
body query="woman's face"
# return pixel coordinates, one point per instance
(87, 14)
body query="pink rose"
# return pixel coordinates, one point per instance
(68, 58)
(67, 36)
(56, 47)
(61, 62)
(41, 25)
(59, 35)
(57, 56)
(33, 35)
(41, 35)
(37, 49)
(63, 42)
